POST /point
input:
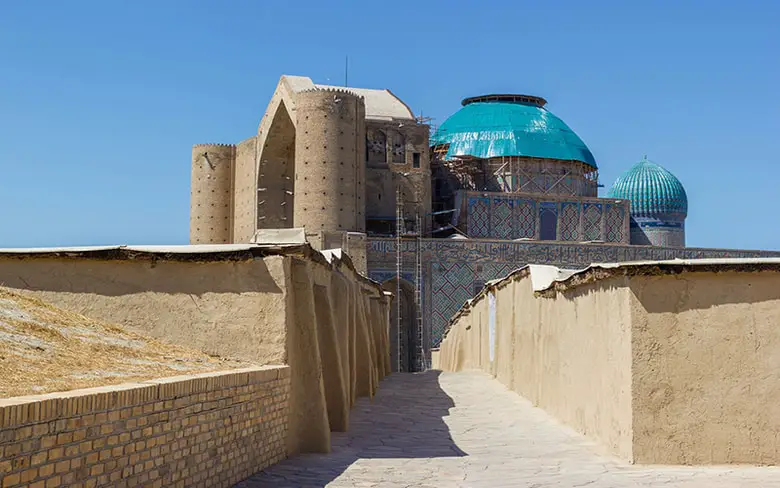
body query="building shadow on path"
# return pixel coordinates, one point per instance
(404, 421)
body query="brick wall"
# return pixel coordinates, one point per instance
(206, 430)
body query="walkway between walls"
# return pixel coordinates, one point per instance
(466, 430)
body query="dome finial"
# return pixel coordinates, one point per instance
(644, 158)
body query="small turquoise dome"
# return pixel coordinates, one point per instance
(492, 126)
(654, 191)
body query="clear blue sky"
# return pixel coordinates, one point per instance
(101, 101)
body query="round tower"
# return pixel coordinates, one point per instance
(659, 204)
(211, 193)
(329, 173)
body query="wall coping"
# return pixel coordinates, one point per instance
(51, 406)
(192, 253)
(533, 242)
(559, 280)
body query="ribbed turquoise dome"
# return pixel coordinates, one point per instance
(654, 192)
(492, 126)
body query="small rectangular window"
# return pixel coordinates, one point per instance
(416, 160)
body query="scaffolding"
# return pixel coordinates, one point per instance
(422, 359)
(404, 235)
(513, 174)
(399, 227)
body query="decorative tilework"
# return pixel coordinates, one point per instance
(452, 287)
(615, 216)
(478, 217)
(570, 221)
(501, 218)
(452, 267)
(591, 222)
(525, 212)
(380, 276)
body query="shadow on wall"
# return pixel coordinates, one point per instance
(404, 421)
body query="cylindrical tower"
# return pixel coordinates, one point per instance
(329, 177)
(659, 204)
(211, 193)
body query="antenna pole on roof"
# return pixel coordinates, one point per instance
(346, 71)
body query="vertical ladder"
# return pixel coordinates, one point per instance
(421, 350)
(399, 228)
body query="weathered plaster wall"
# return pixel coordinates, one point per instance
(227, 308)
(660, 368)
(706, 368)
(277, 309)
(570, 356)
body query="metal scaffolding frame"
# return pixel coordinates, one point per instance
(403, 234)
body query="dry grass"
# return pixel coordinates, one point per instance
(45, 349)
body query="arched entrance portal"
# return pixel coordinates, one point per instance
(403, 343)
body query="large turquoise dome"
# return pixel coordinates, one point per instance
(492, 126)
(654, 192)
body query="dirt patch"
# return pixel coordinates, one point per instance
(45, 349)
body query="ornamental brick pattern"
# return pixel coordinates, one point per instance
(207, 430)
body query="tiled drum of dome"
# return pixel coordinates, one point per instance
(525, 212)
(570, 221)
(615, 216)
(501, 218)
(591, 221)
(479, 217)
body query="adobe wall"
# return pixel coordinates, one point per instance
(212, 429)
(706, 368)
(227, 308)
(261, 310)
(570, 356)
(660, 365)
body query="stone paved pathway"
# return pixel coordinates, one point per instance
(467, 430)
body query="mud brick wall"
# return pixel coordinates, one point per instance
(207, 430)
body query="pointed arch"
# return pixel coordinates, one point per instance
(403, 341)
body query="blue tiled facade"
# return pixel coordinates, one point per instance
(452, 268)
(493, 215)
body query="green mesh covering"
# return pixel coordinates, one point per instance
(489, 129)
(654, 191)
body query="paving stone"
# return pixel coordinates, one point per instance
(465, 430)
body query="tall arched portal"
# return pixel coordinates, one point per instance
(403, 334)
(276, 173)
